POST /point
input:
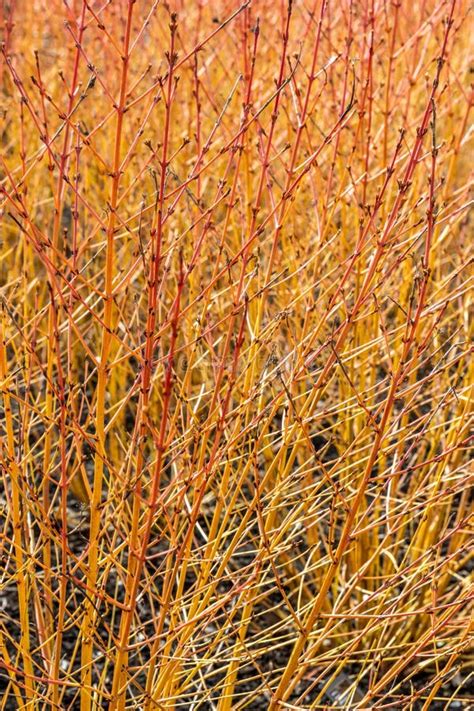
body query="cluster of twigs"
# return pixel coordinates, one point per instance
(236, 392)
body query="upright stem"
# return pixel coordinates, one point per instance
(137, 547)
(90, 612)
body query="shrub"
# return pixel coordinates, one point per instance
(236, 387)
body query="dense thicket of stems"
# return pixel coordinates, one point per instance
(236, 392)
